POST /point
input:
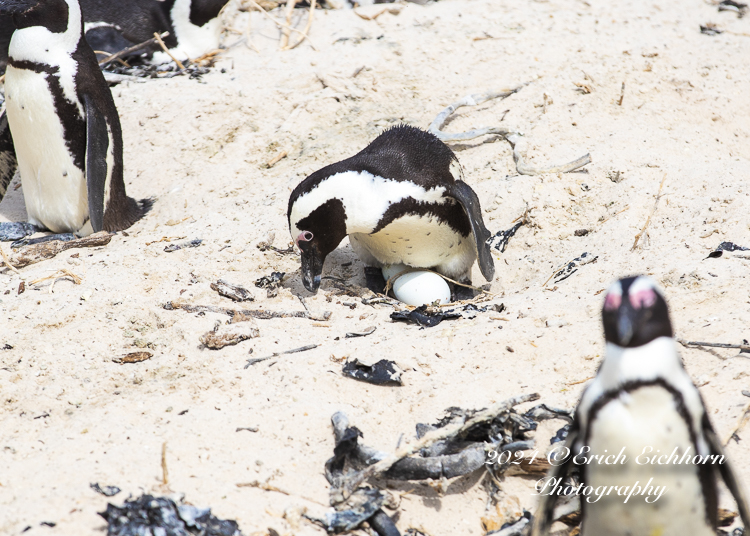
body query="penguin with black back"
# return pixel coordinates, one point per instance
(110, 26)
(61, 127)
(401, 200)
(643, 405)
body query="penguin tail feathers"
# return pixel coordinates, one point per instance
(126, 214)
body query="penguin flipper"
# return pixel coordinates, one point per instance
(543, 518)
(468, 199)
(97, 145)
(727, 473)
(8, 161)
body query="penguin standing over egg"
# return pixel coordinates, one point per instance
(61, 127)
(402, 202)
(648, 455)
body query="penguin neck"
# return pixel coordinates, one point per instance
(195, 35)
(365, 198)
(653, 360)
(38, 44)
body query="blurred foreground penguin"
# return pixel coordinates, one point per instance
(61, 127)
(401, 201)
(643, 416)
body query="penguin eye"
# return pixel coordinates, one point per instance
(304, 236)
(612, 301)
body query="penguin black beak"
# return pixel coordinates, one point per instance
(312, 267)
(625, 323)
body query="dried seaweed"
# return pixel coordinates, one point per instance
(423, 316)
(107, 491)
(229, 334)
(233, 292)
(184, 244)
(39, 252)
(725, 246)
(383, 372)
(149, 515)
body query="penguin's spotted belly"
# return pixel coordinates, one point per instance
(54, 187)
(646, 418)
(418, 241)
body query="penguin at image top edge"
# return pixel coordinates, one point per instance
(400, 200)
(60, 127)
(110, 26)
(642, 403)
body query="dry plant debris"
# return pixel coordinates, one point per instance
(133, 357)
(26, 255)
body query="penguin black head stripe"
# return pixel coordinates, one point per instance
(400, 200)
(635, 313)
(62, 128)
(642, 406)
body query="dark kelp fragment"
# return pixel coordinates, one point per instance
(17, 230)
(232, 292)
(107, 491)
(270, 281)
(383, 372)
(149, 515)
(184, 244)
(500, 240)
(572, 267)
(725, 246)
(424, 317)
(366, 502)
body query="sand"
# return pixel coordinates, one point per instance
(72, 416)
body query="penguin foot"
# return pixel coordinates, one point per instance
(17, 230)
(374, 279)
(64, 237)
(462, 293)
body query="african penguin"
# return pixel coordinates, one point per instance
(110, 26)
(400, 200)
(62, 126)
(644, 412)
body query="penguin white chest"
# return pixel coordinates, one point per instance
(647, 424)
(421, 241)
(54, 187)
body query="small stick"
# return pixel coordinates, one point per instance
(395, 10)
(648, 220)
(46, 250)
(276, 158)
(307, 27)
(126, 51)
(165, 49)
(744, 418)
(277, 354)
(428, 439)
(164, 471)
(524, 169)
(622, 94)
(745, 347)
(260, 315)
(278, 23)
(287, 30)
(470, 100)
(581, 381)
(6, 260)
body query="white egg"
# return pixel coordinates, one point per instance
(394, 269)
(419, 288)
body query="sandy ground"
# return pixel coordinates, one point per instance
(71, 416)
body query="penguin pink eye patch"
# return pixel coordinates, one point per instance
(643, 298)
(612, 301)
(304, 236)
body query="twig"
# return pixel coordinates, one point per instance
(165, 49)
(685, 343)
(648, 220)
(307, 27)
(581, 381)
(470, 100)
(164, 471)
(6, 260)
(743, 420)
(514, 138)
(46, 250)
(622, 94)
(511, 136)
(430, 438)
(395, 10)
(237, 315)
(277, 354)
(276, 158)
(287, 30)
(58, 275)
(126, 51)
(257, 6)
